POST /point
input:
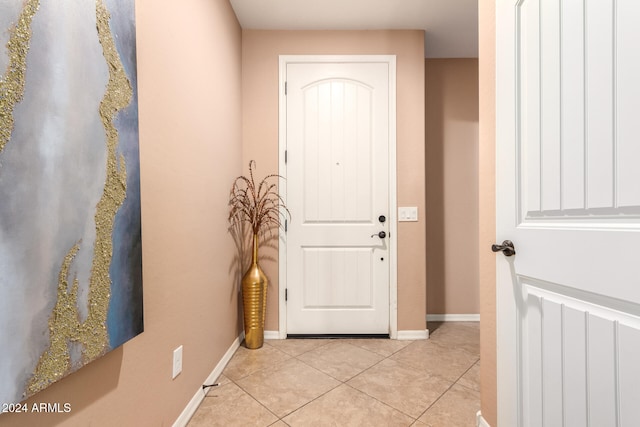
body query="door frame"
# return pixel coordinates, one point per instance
(508, 373)
(284, 60)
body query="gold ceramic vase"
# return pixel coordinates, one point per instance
(254, 299)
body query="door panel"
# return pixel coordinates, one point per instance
(629, 368)
(337, 187)
(568, 197)
(572, 352)
(337, 126)
(337, 278)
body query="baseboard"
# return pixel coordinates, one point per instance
(197, 398)
(413, 335)
(453, 317)
(271, 335)
(480, 421)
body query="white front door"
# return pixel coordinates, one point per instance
(337, 190)
(568, 185)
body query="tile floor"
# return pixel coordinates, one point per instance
(351, 382)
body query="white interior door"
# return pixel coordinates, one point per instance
(337, 178)
(568, 183)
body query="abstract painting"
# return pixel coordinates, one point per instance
(70, 235)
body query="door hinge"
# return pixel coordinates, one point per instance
(286, 294)
(286, 225)
(285, 156)
(285, 88)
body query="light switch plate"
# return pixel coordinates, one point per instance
(409, 213)
(177, 361)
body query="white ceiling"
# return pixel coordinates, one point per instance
(451, 26)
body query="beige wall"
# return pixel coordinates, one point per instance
(452, 185)
(260, 50)
(190, 145)
(487, 210)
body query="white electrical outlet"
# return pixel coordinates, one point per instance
(408, 213)
(177, 361)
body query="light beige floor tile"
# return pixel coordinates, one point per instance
(400, 386)
(427, 356)
(287, 386)
(340, 359)
(471, 379)
(384, 347)
(345, 406)
(222, 379)
(284, 375)
(245, 362)
(228, 405)
(296, 347)
(457, 335)
(458, 407)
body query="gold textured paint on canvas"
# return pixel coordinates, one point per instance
(12, 83)
(117, 96)
(92, 333)
(64, 325)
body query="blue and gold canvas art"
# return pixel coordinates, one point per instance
(70, 240)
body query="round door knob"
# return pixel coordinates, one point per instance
(381, 235)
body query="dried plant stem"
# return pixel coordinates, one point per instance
(258, 205)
